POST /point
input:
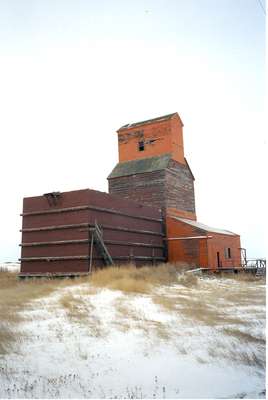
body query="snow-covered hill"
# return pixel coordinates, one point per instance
(204, 340)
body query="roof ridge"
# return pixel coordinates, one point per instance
(147, 121)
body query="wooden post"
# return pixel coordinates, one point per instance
(91, 252)
(153, 257)
(131, 256)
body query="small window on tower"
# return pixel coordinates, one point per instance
(141, 146)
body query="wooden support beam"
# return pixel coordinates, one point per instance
(81, 241)
(82, 208)
(188, 238)
(63, 258)
(56, 242)
(87, 226)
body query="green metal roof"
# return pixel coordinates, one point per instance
(140, 166)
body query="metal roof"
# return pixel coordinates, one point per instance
(148, 121)
(140, 166)
(204, 227)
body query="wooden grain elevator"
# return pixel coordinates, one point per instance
(149, 215)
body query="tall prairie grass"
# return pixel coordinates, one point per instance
(128, 278)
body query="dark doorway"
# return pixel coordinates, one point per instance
(218, 259)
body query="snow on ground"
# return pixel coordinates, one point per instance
(131, 346)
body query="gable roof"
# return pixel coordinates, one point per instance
(204, 227)
(149, 121)
(140, 166)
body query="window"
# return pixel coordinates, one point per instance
(227, 252)
(141, 146)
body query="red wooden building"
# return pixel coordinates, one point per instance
(201, 245)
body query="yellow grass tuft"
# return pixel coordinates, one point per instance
(138, 280)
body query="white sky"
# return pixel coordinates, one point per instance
(74, 71)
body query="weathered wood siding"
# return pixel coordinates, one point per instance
(146, 188)
(172, 187)
(179, 187)
(56, 239)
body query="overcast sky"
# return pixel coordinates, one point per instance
(73, 71)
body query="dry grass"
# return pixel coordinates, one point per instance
(15, 296)
(235, 312)
(246, 356)
(208, 303)
(137, 280)
(80, 310)
(129, 318)
(196, 310)
(245, 337)
(195, 300)
(245, 277)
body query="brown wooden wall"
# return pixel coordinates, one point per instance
(172, 187)
(146, 188)
(179, 188)
(56, 237)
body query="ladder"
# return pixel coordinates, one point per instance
(96, 237)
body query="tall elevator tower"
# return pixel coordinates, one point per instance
(152, 169)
